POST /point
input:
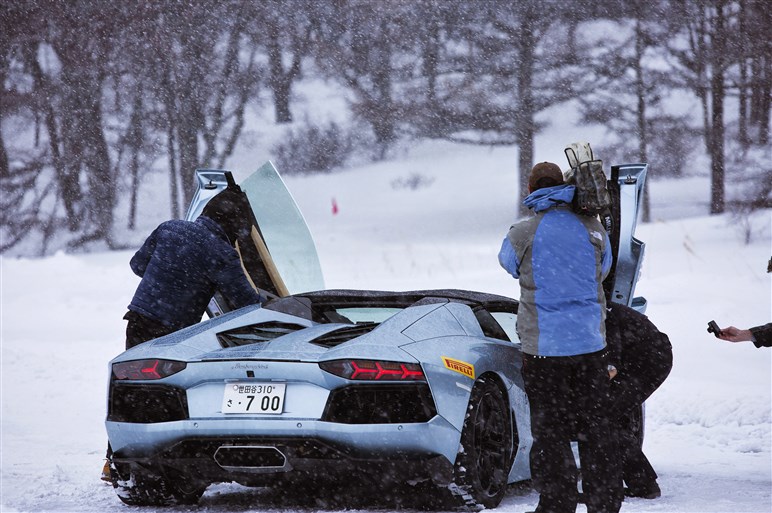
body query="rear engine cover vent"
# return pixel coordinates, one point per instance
(256, 333)
(344, 334)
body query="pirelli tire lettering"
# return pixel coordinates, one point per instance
(467, 369)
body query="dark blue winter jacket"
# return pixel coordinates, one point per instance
(561, 259)
(182, 265)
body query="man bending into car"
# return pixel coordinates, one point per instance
(182, 264)
(561, 259)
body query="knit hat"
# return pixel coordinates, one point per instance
(544, 174)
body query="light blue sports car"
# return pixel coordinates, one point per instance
(413, 386)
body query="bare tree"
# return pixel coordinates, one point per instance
(207, 84)
(361, 44)
(704, 64)
(543, 77)
(68, 66)
(284, 30)
(79, 36)
(759, 19)
(629, 94)
(112, 92)
(716, 148)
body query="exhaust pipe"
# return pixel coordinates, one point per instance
(251, 458)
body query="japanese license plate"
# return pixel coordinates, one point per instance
(253, 398)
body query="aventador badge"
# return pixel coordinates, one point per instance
(464, 368)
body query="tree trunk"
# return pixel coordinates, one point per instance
(766, 100)
(135, 146)
(281, 80)
(100, 170)
(742, 114)
(525, 112)
(187, 140)
(168, 98)
(761, 74)
(643, 136)
(69, 187)
(716, 149)
(192, 93)
(5, 170)
(430, 58)
(281, 101)
(381, 106)
(174, 187)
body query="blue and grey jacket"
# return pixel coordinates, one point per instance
(182, 265)
(561, 259)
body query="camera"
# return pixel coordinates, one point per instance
(713, 328)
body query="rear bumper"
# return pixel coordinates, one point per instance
(265, 461)
(252, 451)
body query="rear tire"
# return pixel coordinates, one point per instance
(486, 453)
(138, 486)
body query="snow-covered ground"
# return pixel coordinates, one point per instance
(709, 426)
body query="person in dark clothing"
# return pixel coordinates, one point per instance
(561, 259)
(761, 336)
(640, 359)
(182, 264)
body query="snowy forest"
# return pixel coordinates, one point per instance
(98, 95)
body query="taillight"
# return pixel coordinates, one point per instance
(147, 369)
(374, 370)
